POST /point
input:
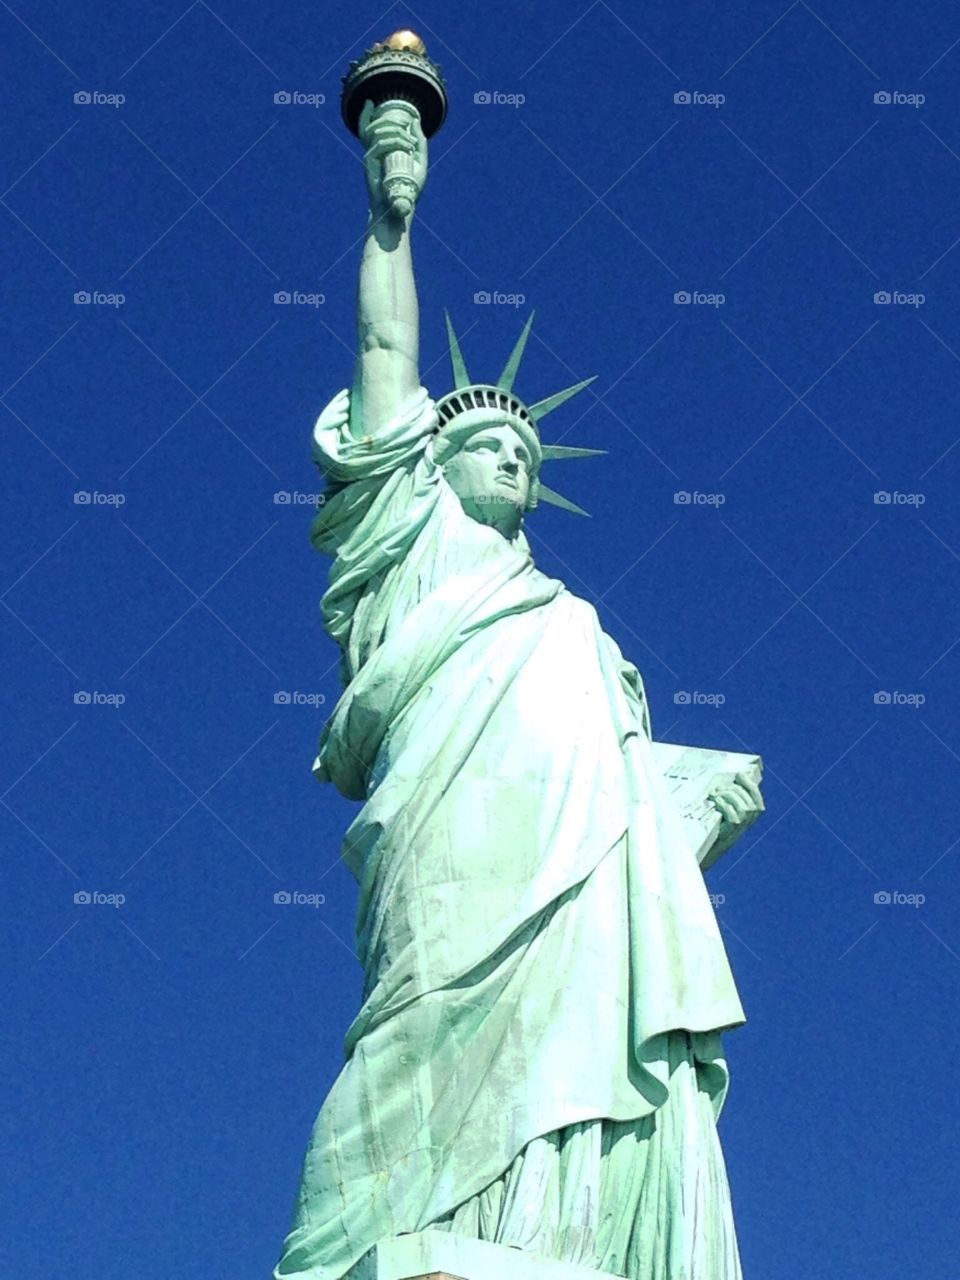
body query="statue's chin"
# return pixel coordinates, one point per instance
(494, 511)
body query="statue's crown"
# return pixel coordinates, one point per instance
(471, 406)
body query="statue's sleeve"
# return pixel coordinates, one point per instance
(632, 685)
(358, 467)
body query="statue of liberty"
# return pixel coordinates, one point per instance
(537, 1061)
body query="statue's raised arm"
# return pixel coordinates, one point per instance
(388, 321)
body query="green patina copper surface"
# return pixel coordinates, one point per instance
(537, 1061)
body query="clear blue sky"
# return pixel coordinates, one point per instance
(165, 1058)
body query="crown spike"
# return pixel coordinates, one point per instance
(546, 494)
(506, 379)
(543, 407)
(557, 452)
(460, 376)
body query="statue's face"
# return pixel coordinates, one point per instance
(490, 474)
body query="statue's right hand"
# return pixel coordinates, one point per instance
(390, 127)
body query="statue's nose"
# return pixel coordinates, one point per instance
(510, 465)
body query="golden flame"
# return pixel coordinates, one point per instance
(403, 40)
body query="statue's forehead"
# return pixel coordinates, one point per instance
(502, 430)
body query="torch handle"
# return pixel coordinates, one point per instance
(399, 182)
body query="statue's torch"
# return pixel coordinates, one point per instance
(396, 71)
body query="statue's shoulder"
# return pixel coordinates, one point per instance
(344, 452)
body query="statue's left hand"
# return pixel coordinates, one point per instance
(739, 800)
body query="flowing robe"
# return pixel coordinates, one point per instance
(533, 925)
